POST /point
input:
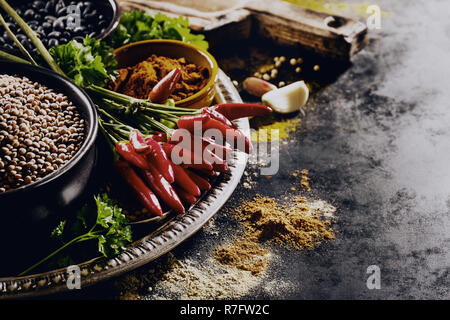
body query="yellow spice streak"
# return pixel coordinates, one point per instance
(279, 130)
(338, 8)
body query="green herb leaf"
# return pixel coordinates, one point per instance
(116, 234)
(59, 230)
(90, 62)
(145, 25)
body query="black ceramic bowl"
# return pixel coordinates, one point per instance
(25, 209)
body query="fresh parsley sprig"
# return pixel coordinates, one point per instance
(111, 230)
(87, 63)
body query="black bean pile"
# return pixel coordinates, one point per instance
(50, 21)
(40, 131)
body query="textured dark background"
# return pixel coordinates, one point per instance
(376, 140)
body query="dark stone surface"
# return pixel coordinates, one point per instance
(376, 141)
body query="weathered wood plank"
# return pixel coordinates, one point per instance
(284, 23)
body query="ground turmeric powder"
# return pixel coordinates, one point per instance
(139, 80)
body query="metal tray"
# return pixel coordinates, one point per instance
(162, 240)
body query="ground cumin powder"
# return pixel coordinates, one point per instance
(244, 254)
(301, 224)
(297, 224)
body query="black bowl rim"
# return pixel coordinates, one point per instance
(89, 139)
(115, 19)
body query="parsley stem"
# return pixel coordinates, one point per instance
(87, 236)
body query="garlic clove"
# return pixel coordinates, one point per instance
(257, 87)
(287, 99)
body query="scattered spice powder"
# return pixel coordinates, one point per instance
(187, 279)
(301, 225)
(298, 225)
(304, 179)
(244, 255)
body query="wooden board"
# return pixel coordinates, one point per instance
(286, 24)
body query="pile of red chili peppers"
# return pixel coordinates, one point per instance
(168, 154)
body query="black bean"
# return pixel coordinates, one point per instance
(59, 5)
(9, 47)
(80, 30)
(87, 10)
(38, 4)
(63, 40)
(93, 34)
(21, 37)
(59, 24)
(54, 34)
(50, 7)
(78, 39)
(102, 24)
(53, 42)
(66, 34)
(47, 26)
(61, 12)
(50, 18)
(37, 16)
(40, 30)
(91, 15)
(33, 23)
(2, 41)
(28, 14)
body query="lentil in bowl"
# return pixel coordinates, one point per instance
(40, 131)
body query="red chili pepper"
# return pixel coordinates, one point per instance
(185, 196)
(188, 122)
(184, 181)
(160, 136)
(126, 151)
(218, 116)
(233, 111)
(205, 173)
(218, 164)
(163, 189)
(138, 142)
(202, 183)
(222, 152)
(164, 88)
(234, 136)
(189, 158)
(159, 158)
(145, 195)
